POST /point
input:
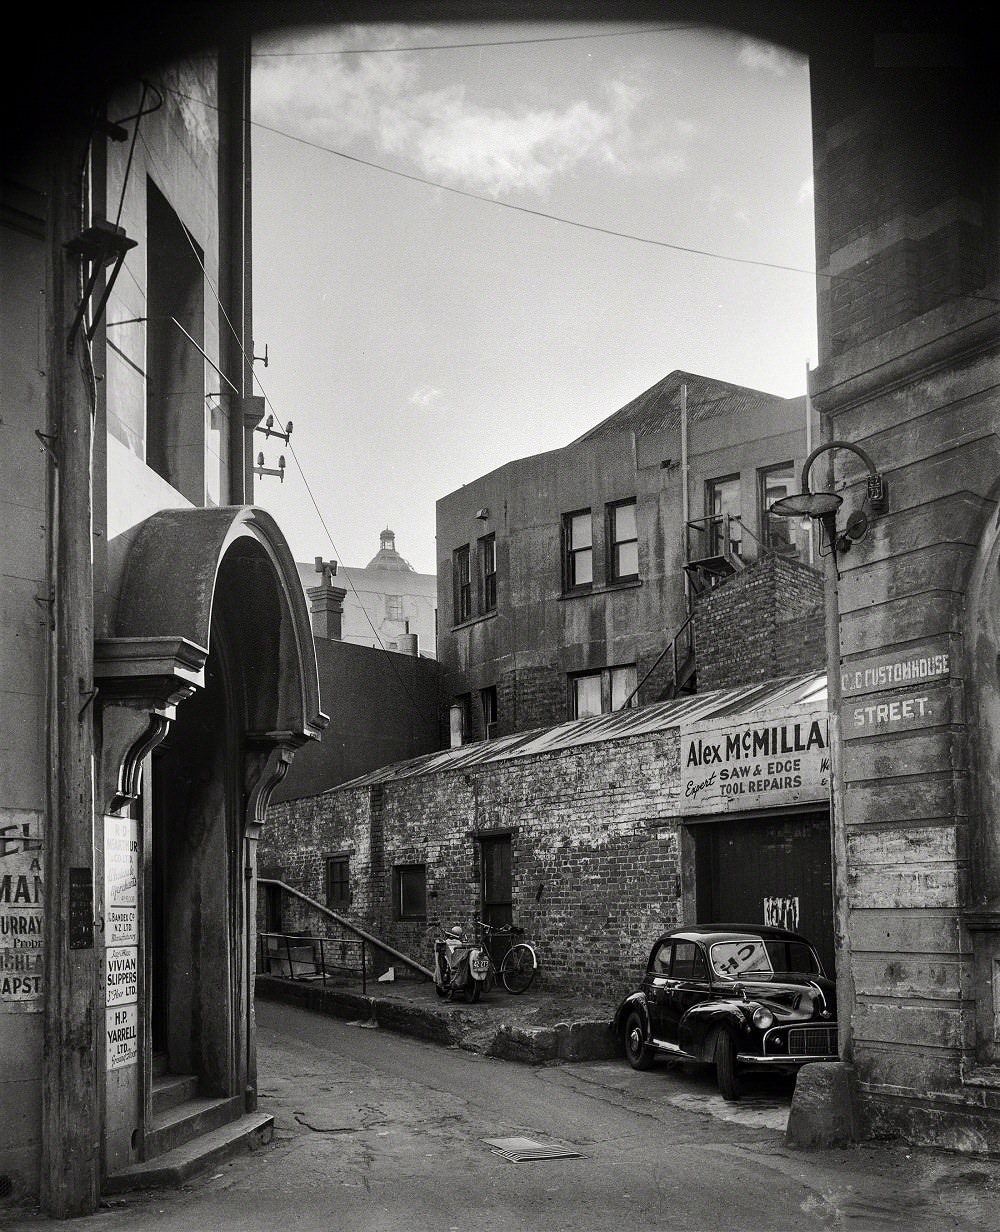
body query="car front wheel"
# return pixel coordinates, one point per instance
(637, 1051)
(725, 1066)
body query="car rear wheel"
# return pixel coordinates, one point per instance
(725, 1066)
(637, 1052)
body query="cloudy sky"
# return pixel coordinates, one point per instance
(473, 242)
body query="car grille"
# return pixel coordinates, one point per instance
(812, 1042)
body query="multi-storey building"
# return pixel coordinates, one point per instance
(159, 669)
(566, 579)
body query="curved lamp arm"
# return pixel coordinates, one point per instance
(876, 484)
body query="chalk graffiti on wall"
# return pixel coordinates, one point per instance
(782, 911)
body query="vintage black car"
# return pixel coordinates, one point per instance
(738, 996)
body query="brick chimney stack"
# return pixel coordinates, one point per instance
(326, 603)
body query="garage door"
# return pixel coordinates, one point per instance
(774, 870)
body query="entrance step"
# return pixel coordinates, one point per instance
(191, 1119)
(169, 1090)
(180, 1163)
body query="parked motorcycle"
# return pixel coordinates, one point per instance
(460, 967)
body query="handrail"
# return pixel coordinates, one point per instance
(300, 940)
(670, 646)
(382, 945)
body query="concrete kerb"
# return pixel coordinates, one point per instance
(449, 1025)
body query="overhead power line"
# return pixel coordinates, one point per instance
(554, 38)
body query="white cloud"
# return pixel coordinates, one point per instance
(343, 100)
(424, 396)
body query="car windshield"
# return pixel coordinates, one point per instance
(756, 956)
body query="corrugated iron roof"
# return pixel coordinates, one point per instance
(659, 407)
(794, 691)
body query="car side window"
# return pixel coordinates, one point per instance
(689, 962)
(660, 964)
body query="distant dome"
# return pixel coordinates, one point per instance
(387, 557)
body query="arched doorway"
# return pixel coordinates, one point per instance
(211, 685)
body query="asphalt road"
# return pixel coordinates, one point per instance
(376, 1132)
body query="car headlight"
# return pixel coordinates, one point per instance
(763, 1018)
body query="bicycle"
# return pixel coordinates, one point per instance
(519, 965)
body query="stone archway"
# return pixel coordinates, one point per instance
(210, 683)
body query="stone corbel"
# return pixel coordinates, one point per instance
(140, 682)
(268, 758)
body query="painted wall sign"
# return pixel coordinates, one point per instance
(906, 712)
(122, 975)
(890, 671)
(122, 1036)
(22, 899)
(755, 764)
(121, 881)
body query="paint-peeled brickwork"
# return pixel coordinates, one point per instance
(594, 851)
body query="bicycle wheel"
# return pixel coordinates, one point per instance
(518, 967)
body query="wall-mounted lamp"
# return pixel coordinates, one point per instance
(268, 429)
(483, 514)
(103, 244)
(822, 506)
(261, 469)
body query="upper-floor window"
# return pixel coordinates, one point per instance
(623, 541)
(394, 607)
(487, 574)
(462, 582)
(578, 550)
(602, 691)
(488, 702)
(722, 511)
(775, 483)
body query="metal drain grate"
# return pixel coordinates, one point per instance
(521, 1150)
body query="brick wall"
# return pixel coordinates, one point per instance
(594, 843)
(761, 624)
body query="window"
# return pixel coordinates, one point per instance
(578, 550)
(623, 541)
(175, 365)
(462, 581)
(722, 509)
(488, 700)
(338, 881)
(775, 483)
(689, 962)
(601, 692)
(410, 891)
(394, 607)
(487, 574)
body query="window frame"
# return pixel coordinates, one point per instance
(399, 876)
(572, 555)
(488, 706)
(605, 676)
(714, 545)
(461, 579)
(615, 543)
(487, 556)
(340, 860)
(766, 521)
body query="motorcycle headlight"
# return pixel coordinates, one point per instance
(763, 1018)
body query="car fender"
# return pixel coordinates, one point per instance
(636, 1001)
(696, 1030)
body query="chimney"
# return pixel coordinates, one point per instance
(406, 643)
(326, 607)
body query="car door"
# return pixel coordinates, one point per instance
(686, 986)
(657, 988)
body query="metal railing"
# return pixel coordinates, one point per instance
(294, 955)
(348, 925)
